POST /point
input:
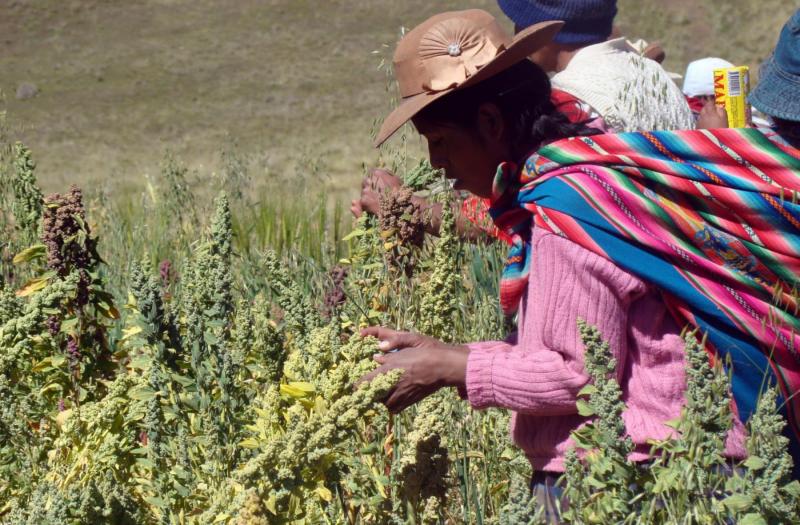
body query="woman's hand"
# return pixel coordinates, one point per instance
(712, 117)
(373, 187)
(429, 365)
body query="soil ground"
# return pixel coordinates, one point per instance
(292, 83)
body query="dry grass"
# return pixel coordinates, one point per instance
(741, 31)
(121, 81)
(289, 80)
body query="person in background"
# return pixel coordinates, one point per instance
(776, 96)
(630, 92)
(698, 82)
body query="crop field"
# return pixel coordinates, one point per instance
(171, 360)
(180, 330)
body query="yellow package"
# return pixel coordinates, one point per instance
(731, 87)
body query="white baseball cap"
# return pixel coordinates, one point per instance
(699, 77)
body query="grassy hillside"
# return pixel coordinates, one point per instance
(293, 82)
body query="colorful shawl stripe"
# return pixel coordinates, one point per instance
(710, 217)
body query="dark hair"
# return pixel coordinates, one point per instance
(522, 93)
(789, 130)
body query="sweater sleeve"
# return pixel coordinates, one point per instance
(543, 371)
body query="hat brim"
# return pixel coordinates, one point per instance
(776, 94)
(523, 45)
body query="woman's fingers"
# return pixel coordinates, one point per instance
(384, 179)
(398, 398)
(391, 339)
(380, 172)
(394, 402)
(712, 117)
(378, 332)
(355, 208)
(403, 396)
(385, 362)
(421, 374)
(366, 378)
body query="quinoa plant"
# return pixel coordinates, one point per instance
(765, 492)
(235, 175)
(294, 465)
(521, 508)
(424, 464)
(58, 346)
(28, 198)
(689, 476)
(335, 295)
(366, 286)
(603, 492)
(267, 345)
(422, 472)
(440, 298)
(10, 306)
(179, 200)
(298, 312)
(689, 481)
(423, 176)
(20, 196)
(402, 228)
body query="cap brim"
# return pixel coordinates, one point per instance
(524, 44)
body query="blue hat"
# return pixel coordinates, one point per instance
(778, 91)
(586, 21)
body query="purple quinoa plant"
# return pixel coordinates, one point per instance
(402, 227)
(68, 241)
(77, 325)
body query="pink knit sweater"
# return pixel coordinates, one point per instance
(539, 374)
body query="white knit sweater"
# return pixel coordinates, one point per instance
(632, 93)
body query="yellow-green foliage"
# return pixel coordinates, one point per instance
(28, 198)
(440, 300)
(220, 393)
(689, 481)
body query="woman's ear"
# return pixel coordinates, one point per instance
(491, 125)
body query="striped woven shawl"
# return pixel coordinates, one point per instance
(710, 217)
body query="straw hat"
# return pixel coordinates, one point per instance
(454, 50)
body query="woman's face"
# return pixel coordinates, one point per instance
(468, 157)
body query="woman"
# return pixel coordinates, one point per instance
(607, 71)
(605, 228)
(472, 220)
